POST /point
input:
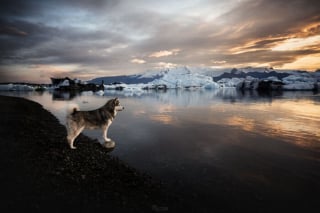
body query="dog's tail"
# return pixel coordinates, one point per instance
(72, 109)
(75, 109)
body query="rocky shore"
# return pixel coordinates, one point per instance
(39, 172)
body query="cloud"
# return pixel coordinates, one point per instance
(161, 65)
(8, 30)
(298, 43)
(122, 36)
(163, 53)
(138, 61)
(218, 62)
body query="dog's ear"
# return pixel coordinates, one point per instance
(114, 101)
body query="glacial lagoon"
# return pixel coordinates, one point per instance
(213, 142)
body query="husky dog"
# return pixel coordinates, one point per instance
(101, 118)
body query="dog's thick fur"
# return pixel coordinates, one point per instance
(100, 118)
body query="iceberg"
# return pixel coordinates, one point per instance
(293, 80)
(16, 87)
(182, 77)
(230, 82)
(299, 82)
(175, 78)
(100, 93)
(242, 79)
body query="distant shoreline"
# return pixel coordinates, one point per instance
(40, 172)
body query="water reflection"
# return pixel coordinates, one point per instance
(196, 135)
(64, 96)
(293, 116)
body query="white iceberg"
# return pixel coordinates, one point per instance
(64, 83)
(100, 93)
(299, 82)
(230, 82)
(16, 87)
(182, 77)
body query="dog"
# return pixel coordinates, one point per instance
(100, 118)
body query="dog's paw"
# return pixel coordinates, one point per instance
(107, 139)
(110, 144)
(73, 147)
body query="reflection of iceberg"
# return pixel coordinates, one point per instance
(59, 95)
(190, 98)
(197, 98)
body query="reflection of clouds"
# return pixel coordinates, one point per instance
(162, 118)
(139, 112)
(304, 135)
(295, 121)
(166, 108)
(162, 113)
(245, 123)
(292, 119)
(300, 122)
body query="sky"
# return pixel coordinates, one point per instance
(90, 38)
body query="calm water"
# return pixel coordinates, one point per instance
(204, 139)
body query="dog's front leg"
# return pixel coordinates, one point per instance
(105, 133)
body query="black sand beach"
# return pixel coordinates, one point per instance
(39, 172)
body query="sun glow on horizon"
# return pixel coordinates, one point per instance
(298, 43)
(309, 63)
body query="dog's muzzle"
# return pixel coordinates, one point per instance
(119, 108)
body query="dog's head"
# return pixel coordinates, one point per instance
(113, 105)
(116, 104)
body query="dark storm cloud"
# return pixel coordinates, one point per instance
(23, 8)
(45, 44)
(9, 30)
(42, 42)
(22, 35)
